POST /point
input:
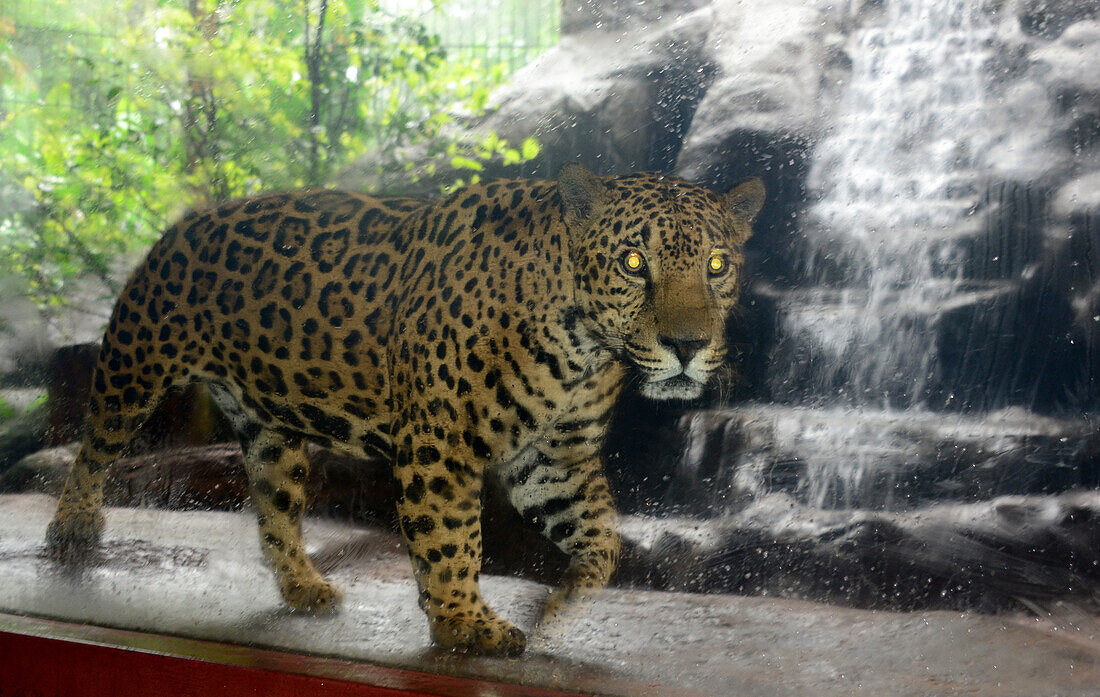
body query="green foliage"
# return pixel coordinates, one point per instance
(193, 101)
(469, 156)
(7, 411)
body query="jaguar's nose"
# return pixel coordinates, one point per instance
(683, 347)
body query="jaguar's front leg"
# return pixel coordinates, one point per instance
(569, 502)
(439, 507)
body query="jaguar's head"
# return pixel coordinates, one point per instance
(657, 265)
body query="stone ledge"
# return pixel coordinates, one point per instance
(627, 643)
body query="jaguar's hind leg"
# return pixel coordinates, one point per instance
(277, 469)
(117, 407)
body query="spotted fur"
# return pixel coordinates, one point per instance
(489, 331)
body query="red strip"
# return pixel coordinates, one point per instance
(48, 667)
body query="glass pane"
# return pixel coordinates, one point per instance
(778, 319)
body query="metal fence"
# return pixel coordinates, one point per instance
(45, 46)
(512, 32)
(48, 42)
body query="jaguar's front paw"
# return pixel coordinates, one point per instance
(314, 596)
(486, 635)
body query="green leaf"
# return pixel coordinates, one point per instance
(461, 162)
(530, 149)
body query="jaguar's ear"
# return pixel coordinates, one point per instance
(745, 200)
(583, 194)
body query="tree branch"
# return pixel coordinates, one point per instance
(313, 56)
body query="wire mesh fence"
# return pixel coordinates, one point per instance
(47, 43)
(46, 48)
(512, 32)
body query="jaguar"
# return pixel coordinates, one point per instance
(488, 333)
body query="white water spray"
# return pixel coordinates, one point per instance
(894, 184)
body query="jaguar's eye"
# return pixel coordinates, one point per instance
(717, 264)
(633, 262)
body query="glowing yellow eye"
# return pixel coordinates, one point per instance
(633, 261)
(717, 263)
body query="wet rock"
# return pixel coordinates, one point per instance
(43, 471)
(21, 436)
(1049, 18)
(1075, 252)
(183, 478)
(1065, 63)
(1078, 201)
(860, 459)
(1019, 329)
(1000, 554)
(1065, 71)
(1014, 347)
(611, 99)
(770, 65)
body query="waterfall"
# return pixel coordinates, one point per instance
(894, 184)
(897, 264)
(900, 198)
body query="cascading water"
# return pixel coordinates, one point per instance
(896, 187)
(894, 183)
